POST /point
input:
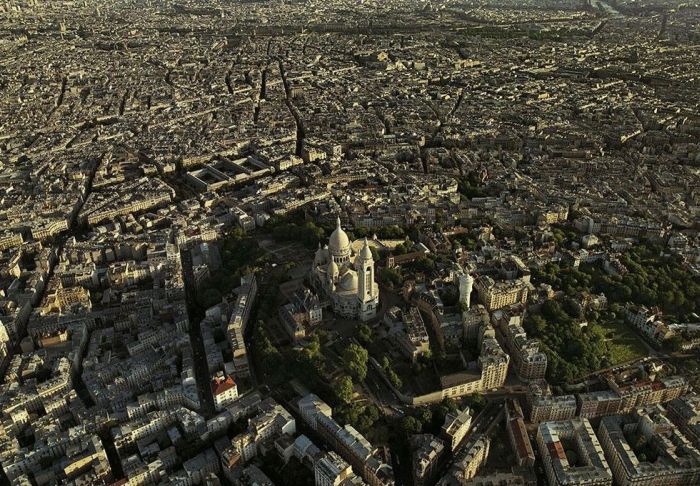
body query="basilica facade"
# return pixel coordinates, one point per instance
(346, 277)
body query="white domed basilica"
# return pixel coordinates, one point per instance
(346, 278)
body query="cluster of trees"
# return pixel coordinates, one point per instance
(390, 373)
(239, 255)
(268, 297)
(470, 185)
(571, 350)
(425, 361)
(391, 276)
(465, 241)
(652, 280)
(308, 365)
(362, 416)
(422, 264)
(308, 233)
(355, 361)
(344, 389)
(430, 419)
(393, 232)
(365, 334)
(270, 360)
(400, 249)
(562, 234)
(278, 367)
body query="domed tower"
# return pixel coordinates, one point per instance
(332, 272)
(339, 245)
(367, 289)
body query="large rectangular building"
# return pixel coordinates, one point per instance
(572, 454)
(517, 433)
(646, 449)
(503, 293)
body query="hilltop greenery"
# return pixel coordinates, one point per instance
(578, 343)
(652, 280)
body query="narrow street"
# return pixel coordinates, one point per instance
(200, 362)
(298, 121)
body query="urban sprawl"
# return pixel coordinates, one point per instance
(350, 242)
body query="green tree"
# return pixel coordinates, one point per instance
(364, 333)
(355, 359)
(313, 348)
(344, 389)
(390, 276)
(423, 264)
(410, 426)
(270, 358)
(367, 419)
(535, 325)
(394, 379)
(476, 402)
(400, 249)
(361, 231)
(425, 415)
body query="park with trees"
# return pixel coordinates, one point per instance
(578, 342)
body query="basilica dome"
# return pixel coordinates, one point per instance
(339, 242)
(349, 282)
(333, 269)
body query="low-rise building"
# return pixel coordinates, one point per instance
(502, 293)
(428, 450)
(332, 470)
(528, 361)
(272, 420)
(637, 388)
(301, 314)
(224, 390)
(468, 460)
(409, 332)
(456, 426)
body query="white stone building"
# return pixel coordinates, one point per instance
(346, 279)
